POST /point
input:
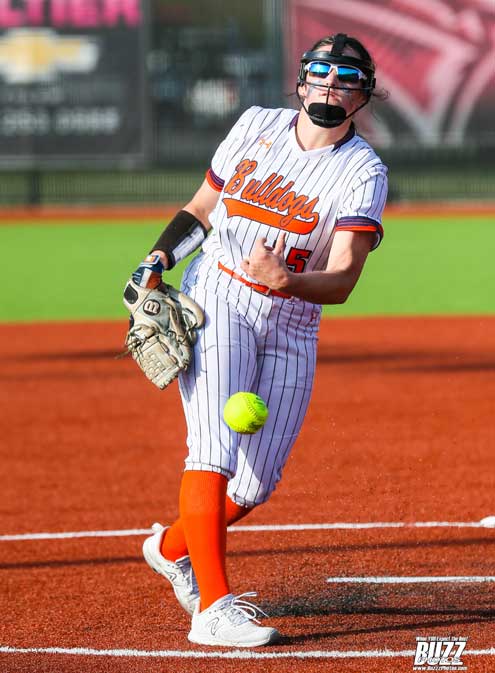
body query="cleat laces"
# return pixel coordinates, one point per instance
(241, 611)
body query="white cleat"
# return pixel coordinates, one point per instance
(179, 573)
(231, 622)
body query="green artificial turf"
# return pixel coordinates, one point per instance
(428, 266)
(74, 271)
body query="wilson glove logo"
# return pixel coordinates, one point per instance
(151, 307)
(31, 55)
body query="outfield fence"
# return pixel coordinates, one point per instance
(157, 186)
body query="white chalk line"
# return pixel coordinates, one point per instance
(77, 534)
(253, 529)
(248, 654)
(405, 579)
(234, 654)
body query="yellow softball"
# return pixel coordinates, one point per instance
(245, 413)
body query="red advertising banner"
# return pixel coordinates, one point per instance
(436, 58)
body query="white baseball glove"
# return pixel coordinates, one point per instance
(162, 330)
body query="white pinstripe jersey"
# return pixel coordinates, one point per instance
(253, 341)
(268, 184)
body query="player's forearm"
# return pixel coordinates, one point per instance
(188, 229)
(200, 211)
(320, 287)
(183, 235)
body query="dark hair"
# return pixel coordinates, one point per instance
(358, 47)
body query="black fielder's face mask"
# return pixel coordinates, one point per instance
(352, 74)
(325, 114)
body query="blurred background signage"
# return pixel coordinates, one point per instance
(72, 85)
(149, 88)
(435, 57)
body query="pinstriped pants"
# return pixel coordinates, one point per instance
(250, 342)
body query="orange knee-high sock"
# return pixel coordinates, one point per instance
(174, 542)
(234, 512)
(202, 511)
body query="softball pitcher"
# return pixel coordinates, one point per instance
(294, 204)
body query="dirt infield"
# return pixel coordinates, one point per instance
(400, 429)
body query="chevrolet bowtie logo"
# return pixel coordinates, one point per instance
(30, 55)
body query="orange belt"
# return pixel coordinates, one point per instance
(262, 289)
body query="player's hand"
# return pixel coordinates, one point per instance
(149, 272)
(266, 264)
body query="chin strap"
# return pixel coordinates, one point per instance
(326, 115)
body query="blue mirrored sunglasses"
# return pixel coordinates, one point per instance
(345, 73)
